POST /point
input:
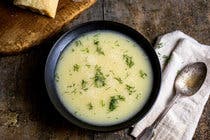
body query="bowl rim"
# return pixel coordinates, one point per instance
(75, 32)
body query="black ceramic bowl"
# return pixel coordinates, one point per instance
(76, 32)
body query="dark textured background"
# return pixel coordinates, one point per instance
(25, 110)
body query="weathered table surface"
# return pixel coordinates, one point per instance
(25, 110)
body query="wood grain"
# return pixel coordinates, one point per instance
(25, 110)
(21, 29)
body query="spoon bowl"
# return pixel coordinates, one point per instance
(190, 79)
(187, 83)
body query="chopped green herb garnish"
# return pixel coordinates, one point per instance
(96, 42)
(113, 104)
(128, 60)
(159, 45)
(84, 85)
(116, 43)
(107, 75)
(87, 65)
(130, 89)
(86, 50)
(118, 79)
(78, 43)
(72, 50)
(112, 72)
(107, 88)
(98, 49)
(76, 67)
(178, 71)
(142, 74)
(56, 76)
(138, 96)
(102, 103)
(167, 58)
(121, 98)
(70, 86)
(99, 79)
(90, 106)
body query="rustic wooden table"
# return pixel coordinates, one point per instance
(25, 110)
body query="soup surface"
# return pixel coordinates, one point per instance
(103, 78)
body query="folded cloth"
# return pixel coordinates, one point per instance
(175, 50)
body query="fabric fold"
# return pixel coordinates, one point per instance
(175, 50)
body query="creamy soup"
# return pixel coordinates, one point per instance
(103, 78)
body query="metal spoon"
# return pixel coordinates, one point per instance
(187, 83)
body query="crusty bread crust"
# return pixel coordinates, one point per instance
(44, 7)
(22, 30)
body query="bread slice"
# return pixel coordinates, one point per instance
(45, 7)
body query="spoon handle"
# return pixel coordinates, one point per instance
(148, 132)
(165, 111)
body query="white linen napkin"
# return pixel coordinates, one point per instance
(182, 119)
